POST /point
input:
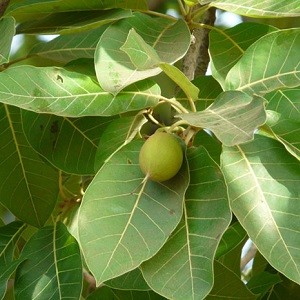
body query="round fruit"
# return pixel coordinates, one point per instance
(161, 156)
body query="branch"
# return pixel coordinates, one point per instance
(196, 60)
(3, 6)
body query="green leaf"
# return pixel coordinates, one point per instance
(262, 282)
(9, 235)
(181, 80)
(70, 94)
(209, 90)
(142, 55)
(287, 290)
(125, 219)
(284, 118)
(132, 280)
(53, 268)
(35, 9)
(183, 268)
(69, 144)
(232, 237)
(263, 187)
(271, 63)
(233, 117)
(112, 294)
(253, 8)
(117, 134)
(210, 143)
(69, 47)
(228, 46)
(71, 22)
(7, 29)
(227, 285)
(114, 67)
(29, 187)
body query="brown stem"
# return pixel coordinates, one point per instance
(3, 6)
(196, 60)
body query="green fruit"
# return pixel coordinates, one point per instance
(161, 156)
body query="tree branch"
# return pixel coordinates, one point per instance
(3, 6)
(196, 60)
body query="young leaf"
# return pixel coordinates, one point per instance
(69, 144)
(269, 64)
(72, 22)
(228, 46)
(7, 29)
(9, 234)
(253, 8)
(142, 55)
(263, 187)
(183, 268)
(70, 94)
(233, 117)
(28, 186)
(53, 267)
(181, 80)
(284, 118)
(114, 67)
(125, 219)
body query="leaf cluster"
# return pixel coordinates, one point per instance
(80, 220)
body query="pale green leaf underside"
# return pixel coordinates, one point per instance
(28, 186)
(227, 47)
(7, 29)
(114, 68)
(254, 8)
(61, 92)
(142, 55)
(70, 47)
(125, 219)
(284, 118)
(183, 268)
(53, 267)
(270, 63)
(233, 117)
(263, 187)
